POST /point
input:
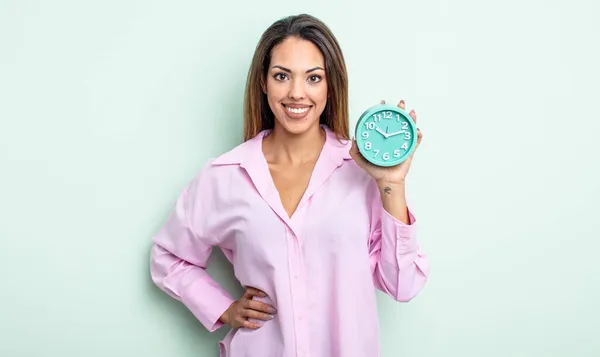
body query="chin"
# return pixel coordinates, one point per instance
(298, 127)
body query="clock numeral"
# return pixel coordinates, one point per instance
(396, 153)
(368, 145)
(405, 146)
(370, 125)
(387, 115)
(386, 156)
(405, 125)
(407, 135)
(377, 117)
(376, 152)
(397, 117)
(365, 135)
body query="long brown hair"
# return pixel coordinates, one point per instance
(257, 113)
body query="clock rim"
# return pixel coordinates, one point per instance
(382, 107)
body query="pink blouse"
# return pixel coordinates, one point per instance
(319, 268)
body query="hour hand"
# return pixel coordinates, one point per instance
(382, 132)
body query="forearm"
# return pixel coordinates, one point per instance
(393, 198)
(401, 268)
(191, 285)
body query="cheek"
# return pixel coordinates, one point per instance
(320, 94)
(317, 93)
(275, 92)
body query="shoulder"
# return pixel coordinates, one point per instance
(215, 169)
(336, 148)
(240, 153)
(219, 170)
(235, 156)
(348, 171)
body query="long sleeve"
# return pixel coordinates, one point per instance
(180, 253)
(400, 268)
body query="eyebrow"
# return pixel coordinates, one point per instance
(289, 71)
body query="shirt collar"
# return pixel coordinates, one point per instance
(250, 157)
(251, 150)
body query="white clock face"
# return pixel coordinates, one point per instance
(385, 137)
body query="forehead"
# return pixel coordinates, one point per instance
(297, 53)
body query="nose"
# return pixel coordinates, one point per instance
(296, 89)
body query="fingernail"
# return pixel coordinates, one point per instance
(271, 317)
(272, 310)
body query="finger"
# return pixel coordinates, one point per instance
(402, 105)
(251, 292)
(257, 315)
(257, 305)
(262, 307)
(250, 325)
(413, 115)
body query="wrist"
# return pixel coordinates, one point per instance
(394, 186)
(225, 315)
(393, 199)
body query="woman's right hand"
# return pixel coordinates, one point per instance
(239, 312)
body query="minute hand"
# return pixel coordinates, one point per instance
(396, 133)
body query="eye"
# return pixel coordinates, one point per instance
(280, 76)
(314, 79)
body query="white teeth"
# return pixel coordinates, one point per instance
(297, 110)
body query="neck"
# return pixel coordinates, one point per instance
(282, 147)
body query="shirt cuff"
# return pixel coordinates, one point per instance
(205, 299)
(404, 235)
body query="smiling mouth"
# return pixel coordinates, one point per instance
(296, 110)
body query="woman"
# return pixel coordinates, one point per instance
(310, 227)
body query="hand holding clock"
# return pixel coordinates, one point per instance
(386, 174)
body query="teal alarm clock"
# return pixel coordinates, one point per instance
(386, 135)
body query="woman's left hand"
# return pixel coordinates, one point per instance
(394, 175)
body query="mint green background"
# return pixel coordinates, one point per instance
(108, 108)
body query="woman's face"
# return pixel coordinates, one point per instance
(295, 85)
